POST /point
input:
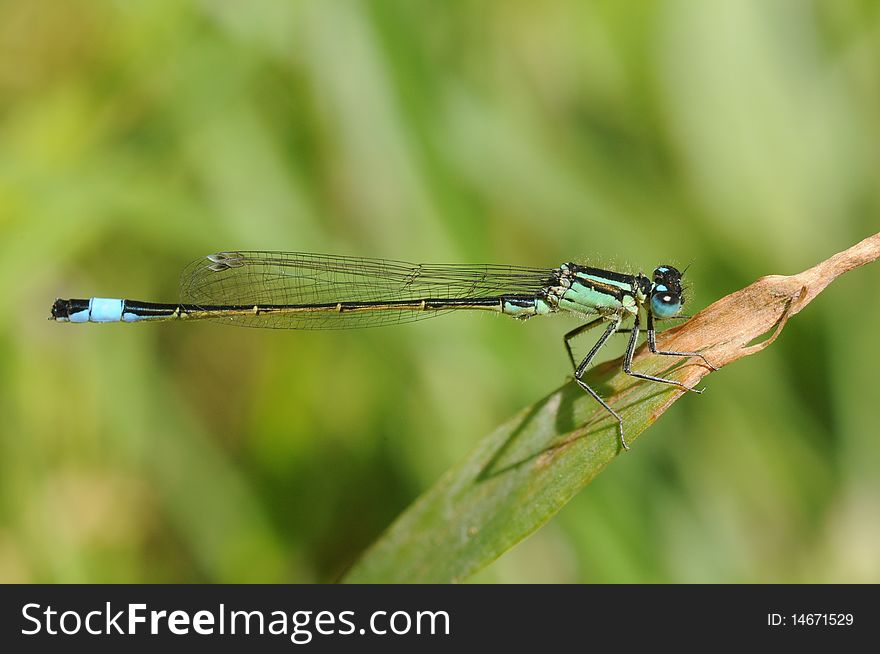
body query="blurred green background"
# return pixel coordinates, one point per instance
(741, 137)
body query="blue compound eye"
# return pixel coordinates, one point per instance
(665, 304)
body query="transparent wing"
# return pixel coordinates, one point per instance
(294, 279)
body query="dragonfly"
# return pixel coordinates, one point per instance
(295, 290)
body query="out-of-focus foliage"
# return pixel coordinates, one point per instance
(741, 137)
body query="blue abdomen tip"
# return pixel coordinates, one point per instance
(104, 309)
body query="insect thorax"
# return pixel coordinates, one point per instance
(591, 291)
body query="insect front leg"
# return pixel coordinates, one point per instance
(652, 345)
(628, 357)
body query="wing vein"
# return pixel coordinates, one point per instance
(297, 279)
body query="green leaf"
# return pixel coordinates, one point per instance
(526, 470)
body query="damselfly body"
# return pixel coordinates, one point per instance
(289, 290)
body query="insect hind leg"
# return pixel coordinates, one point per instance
(582, 368)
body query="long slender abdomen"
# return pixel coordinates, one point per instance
(98, 309)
